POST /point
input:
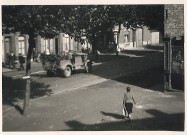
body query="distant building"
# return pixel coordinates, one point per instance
(59, 44)
(19, 44)
(138, 37)
(14, 42)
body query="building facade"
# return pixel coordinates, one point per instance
(174, 20)
(137, 38)
(14, 42)
(174, 46)
(59, 44)
(18, 43)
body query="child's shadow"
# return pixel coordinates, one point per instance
(117, 116)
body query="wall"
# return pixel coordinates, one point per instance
(146, 36)
(139, 37)
(174, 20)
(154, 38)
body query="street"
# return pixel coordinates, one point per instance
(93, 102)
(99, 107)
(42, 85)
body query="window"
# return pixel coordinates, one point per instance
(67, 43)
(126, 38)
(51, 45)
(7, 44)
(21, 46)
(166, 14)
(46, 45)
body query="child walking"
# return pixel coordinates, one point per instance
(128, 103)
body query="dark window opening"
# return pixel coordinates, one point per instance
(166, 14)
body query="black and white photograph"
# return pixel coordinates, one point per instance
(93, 67)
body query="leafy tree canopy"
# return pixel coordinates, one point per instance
(78, 20)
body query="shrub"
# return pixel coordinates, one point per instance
(51, 62)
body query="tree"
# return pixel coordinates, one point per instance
(31, 20)
(95, 20)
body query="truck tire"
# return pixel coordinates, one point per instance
(67, 72)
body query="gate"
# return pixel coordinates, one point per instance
(173, 64)
(177, 64)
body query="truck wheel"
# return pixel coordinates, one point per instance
(67, 72)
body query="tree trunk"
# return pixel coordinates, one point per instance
(28, 73)
(133, 40)
(94, 45)
(118, 34)
(105, 40)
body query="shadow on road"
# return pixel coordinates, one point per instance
(145, 72)
(116, 116)
(160, 121)
(145, 79)
(13, 90)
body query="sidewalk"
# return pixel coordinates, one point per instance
(104, 57)
(35, 67)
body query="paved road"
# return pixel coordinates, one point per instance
(94, 101)
(44, 86)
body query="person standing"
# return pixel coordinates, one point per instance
(21, 61)
(12, 60)
(117, 50)
(8, 58)
(35, 54)
(128, 102)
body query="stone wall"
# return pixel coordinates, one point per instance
(174, 20)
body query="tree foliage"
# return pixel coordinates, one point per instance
(79, 20)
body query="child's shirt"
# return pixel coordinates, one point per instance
(128, 98)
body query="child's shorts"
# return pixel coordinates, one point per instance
(128, 107)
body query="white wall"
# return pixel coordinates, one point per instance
(154, 38)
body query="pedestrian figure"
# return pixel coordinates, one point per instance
(12, 59)
(7, 62)
(38, 57)
(97, 54)
(117, 50)
(128, 103)
(35, 54)
(21, 61)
